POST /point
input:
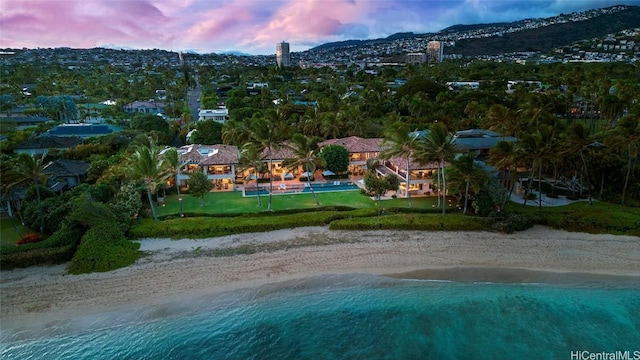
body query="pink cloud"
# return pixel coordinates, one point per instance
(51, 23)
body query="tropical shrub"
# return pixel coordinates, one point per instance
(57, 248)
(515, 222)
(103, 248)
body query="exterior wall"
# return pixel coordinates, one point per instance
(435, 51)
(222, 176)
(219, 115)
(416, 58)
(283, 58)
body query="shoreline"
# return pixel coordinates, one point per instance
(178, 269)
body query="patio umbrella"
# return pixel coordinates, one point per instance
(288, 176)
(307, 174)
(328, 173)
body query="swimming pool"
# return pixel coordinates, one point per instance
(302, 188)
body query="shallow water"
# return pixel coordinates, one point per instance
(356, 316)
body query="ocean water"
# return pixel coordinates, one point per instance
(356, 316)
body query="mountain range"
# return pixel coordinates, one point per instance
(539, 35)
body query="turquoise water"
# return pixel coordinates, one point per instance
(354, 317)
(299, 188)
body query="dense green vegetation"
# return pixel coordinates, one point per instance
(201, 227)
(601, 217)
(581, 123)
(103, 248)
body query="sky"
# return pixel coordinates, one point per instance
(250, 26)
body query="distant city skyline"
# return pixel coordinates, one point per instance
(250, 26)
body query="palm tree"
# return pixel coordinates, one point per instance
(437, 146)
(305, 151)
(503, 155)
(465, 172)
(266, 134)
(174, 166)
(578, 140)
(233, 132)
(611, 108)
(252, 159)
(627, 136)
(502, 119)
(400, 142)
(537, 148)
(30, 170)
(147, 165)
(331, 124)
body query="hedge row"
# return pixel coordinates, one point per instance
(103, 248)
(259, 214)
(211, 227)
(57, 248)
(619, 223)
(412, 222)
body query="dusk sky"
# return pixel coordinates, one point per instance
(250, 26)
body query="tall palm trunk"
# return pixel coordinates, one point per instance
(586, 174)
(41, 211)
(409, 183)
(466, 196)
(438, 185)
(444, 189)
(309, 185)
(270, 180)
(258, 190)
(153, 208)
(540, 186)
(626, 179)
(178, 190)
(526, 193)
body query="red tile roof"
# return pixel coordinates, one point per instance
(209, 154)
(355, 144)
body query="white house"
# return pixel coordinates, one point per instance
(220, 115)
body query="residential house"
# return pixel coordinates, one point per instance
(274, 164)
(479, 141)
(422, 175)
(43, 144)
(360, 149)
(65, 174)
(24, 122)
(144, 107)
(219, 162)
(219, 115)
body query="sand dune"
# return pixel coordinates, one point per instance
(175, 269)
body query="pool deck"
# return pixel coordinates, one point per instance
(295, 186)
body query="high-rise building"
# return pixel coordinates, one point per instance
(416, 58)
(435, 51)
(283, 58)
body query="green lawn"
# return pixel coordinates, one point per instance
(8, 235)
(234, 203)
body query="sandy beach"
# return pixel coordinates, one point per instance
(175, 269)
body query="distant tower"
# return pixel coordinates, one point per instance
(435, 51)
(283, 59)
(416, 58)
